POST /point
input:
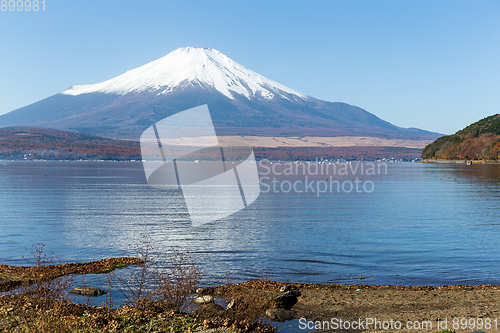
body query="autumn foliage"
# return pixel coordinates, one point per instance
(49, 144)
(479, 141)
(32, 143)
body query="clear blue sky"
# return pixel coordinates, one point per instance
(431, 64)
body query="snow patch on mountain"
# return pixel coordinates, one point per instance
(191, 66)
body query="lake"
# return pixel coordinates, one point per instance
(412, 224)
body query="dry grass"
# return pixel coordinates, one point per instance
(156, 290)
(15, 276)
(166, 279)
(177, 279)
(25, 313)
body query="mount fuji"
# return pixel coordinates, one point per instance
(241, 102)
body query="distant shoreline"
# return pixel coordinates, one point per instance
(459, 161)
(31, 143)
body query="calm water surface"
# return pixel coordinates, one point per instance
(423, 224)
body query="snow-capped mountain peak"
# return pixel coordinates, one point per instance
(191, 66)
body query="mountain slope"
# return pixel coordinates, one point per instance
(241, 102)
(479, 141)
(191, 67)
